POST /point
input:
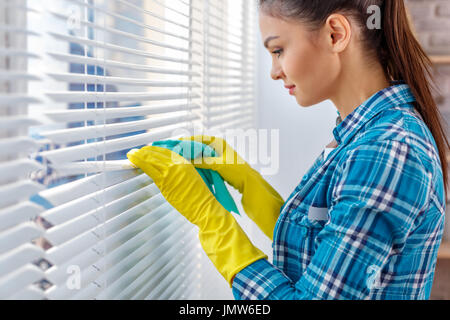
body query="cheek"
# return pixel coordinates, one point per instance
(314, 73)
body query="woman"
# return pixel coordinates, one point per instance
(367, 219)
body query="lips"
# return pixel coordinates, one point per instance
(292, 91)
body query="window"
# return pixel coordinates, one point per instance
(81, 83)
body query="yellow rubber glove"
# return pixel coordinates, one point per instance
(223, 240)
(261, 202)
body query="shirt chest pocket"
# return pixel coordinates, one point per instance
(312, 220)
(304, 226)
(311, 217)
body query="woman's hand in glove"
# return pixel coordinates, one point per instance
(261, 202)
(176, 178)
(220, 235)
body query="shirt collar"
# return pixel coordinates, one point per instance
(399, 93)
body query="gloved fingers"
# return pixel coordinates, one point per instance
(218, 144)
(221, 147)
(144, 163)
(166, 156)
(143, 155)
(157, 158)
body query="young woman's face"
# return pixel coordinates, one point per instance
(300, 58)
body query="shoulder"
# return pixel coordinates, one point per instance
(400, 127)
(384, 162)
(395, 150)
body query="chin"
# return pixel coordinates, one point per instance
(304, 103)
(308, 102)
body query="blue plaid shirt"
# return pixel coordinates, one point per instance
(366, 222)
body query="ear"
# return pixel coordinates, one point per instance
(338, 31)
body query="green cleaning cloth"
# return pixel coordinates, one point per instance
(192, 150)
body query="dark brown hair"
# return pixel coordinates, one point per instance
(394, 45)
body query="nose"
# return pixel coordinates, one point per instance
(276, 73)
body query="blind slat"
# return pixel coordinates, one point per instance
(15, 29)
(18, 145)
(18, 169)
(114, 113)
(65, 136)
(82, 187)
(222, 120)
(77, 168)
(18, 191)
(90, 150)
(17, 6)
(229, 94)
(240, 123)
(143, 271)
(214, 112)
(15, 52)
(118, 80)
(173, 279)
(18, 235)
(107, 63)
(29, 293)
(90, 202)
(218, 75)
(121, 261)
(181, 292)
(15, 76)
(8, 99)
(83, 254)
(129, 20)
(18, 257)
(15, 122)
(117, 48)
(18, 213)
(117, 235)
(131, 205)
(132, 279)
(18, 280)
(71, 96)
(115, 32)
(166, 261)
(224, 103)
(152, 14)
(99, 9)
(91, 286)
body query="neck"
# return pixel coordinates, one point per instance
(356, 85)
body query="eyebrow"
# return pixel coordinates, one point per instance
(266, 43)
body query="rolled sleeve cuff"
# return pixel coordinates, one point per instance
(257, 281)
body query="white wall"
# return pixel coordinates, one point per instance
(304, 132)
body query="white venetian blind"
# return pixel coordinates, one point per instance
(82, 83)
(18, 270)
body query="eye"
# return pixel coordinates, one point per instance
(278, 52)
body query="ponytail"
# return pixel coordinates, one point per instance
(404, 59)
